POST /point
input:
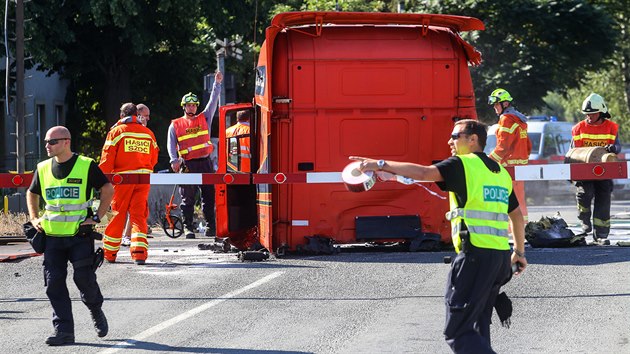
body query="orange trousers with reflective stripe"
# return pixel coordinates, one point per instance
(132, 198)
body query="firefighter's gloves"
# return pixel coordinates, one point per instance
(611, 148)
(177, 164)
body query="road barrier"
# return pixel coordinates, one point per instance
(534, 172)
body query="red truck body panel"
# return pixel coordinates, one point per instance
(331, 85)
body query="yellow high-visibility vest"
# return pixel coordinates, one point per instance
(66, 202)
(486, 209)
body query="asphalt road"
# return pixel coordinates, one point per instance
(189, 301)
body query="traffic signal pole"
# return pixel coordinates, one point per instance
(229, 49)
(20, 131)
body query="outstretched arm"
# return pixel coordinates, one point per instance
(407, 169)
(213, 102)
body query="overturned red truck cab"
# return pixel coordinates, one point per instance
(334, 84)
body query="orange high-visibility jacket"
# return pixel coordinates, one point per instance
(513, 145)
(587, 135)
(129, 147)
(241, 131)
(193, 137)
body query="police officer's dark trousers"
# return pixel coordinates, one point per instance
(188, 193)
(601, 191)
(59, 251)
(471, 290)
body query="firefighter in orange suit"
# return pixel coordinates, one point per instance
(513, 144)
(130, 147)
(238, 143)
(595, 130)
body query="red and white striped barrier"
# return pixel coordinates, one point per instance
(574, 171)
(537, 172)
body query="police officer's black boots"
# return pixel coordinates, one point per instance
(60, 338)
(100, 322)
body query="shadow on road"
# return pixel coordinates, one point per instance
(584, 256)
(130, 344)
(578, 256)
(381, 257)
(565, 296)
(241, 265)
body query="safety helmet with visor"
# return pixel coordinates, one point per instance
(189, 98)
(594, 103)
(499, 95)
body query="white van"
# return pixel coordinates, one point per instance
(551, 141)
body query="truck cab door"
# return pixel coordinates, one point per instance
(236, 204)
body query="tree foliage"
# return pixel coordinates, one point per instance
(154, 51)
(611, 80)
(116, 51)
(531, 47)
(620, 10)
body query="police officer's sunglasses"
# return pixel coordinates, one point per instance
(54, 141)
(456, 136)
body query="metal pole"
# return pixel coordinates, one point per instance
(20, 149)
(221, 66)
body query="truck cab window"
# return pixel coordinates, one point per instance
(238, 141)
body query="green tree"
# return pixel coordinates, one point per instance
(333, 5)
(116, 51)
(154, 51)
(531, 47)
(611, 79)
(620, 11)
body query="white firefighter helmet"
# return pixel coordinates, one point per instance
(594, 103)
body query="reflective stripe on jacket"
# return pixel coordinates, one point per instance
(130, 147)
(486, 209)
(513, 144)
(66, 204)
(193, 137)
(587, 135)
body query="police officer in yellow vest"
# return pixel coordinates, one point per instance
(66, 182)
(482, 202)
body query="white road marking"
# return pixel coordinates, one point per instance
(186, 315)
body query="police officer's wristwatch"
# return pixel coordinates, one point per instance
(380, 164)
(96, 219)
